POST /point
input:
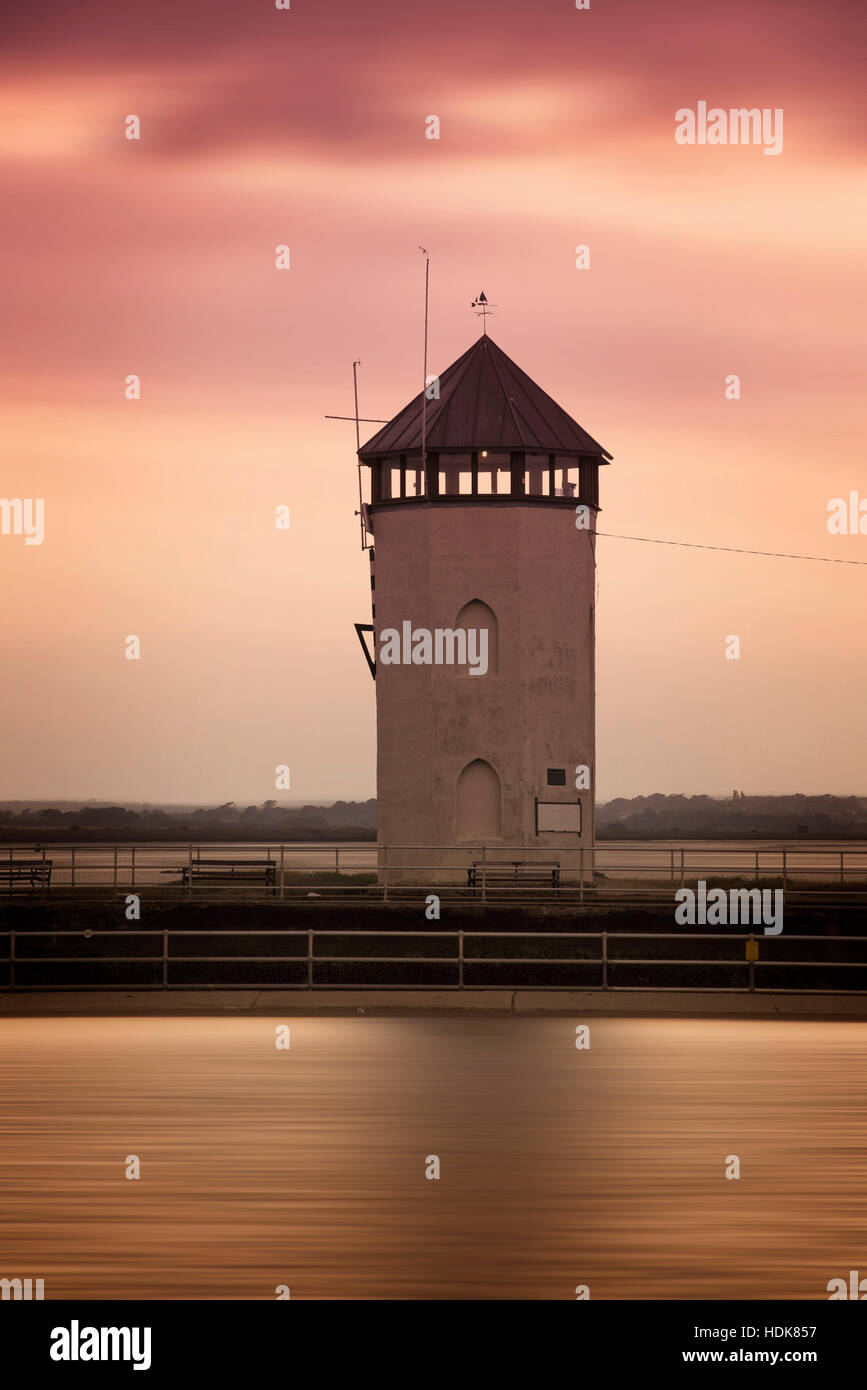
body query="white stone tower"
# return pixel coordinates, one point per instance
(492, 529)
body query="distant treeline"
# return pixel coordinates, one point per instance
(660, 817)
(344, 820)
(654, 817)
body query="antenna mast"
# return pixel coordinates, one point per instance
(423, 249)
(355, 367)
(355, 386)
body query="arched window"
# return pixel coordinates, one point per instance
(478, 803)
(477, 616)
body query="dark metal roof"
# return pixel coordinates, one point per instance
(485, 402)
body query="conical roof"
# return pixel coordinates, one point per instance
(485, 402)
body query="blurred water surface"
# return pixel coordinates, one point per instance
(306, 1167)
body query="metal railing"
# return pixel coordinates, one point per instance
(452, 960)
(364, 870)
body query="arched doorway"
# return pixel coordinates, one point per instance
(479, 616)
(478, 802)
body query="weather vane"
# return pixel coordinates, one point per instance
(482, 309)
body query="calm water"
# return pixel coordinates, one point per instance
(558, 1167)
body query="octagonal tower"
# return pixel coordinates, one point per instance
(484, 526)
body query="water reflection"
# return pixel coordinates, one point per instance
(306, 1167)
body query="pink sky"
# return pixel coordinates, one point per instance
(306, 127)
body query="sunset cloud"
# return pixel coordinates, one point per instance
(306, 127)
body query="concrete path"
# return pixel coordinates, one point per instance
(617, 1003)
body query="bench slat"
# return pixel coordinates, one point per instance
(36, 872)
(514, 872)
(229, 871)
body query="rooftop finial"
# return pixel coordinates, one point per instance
(482, 309)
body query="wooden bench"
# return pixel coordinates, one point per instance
(514, 874)
(36, 873)
(228, 871)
